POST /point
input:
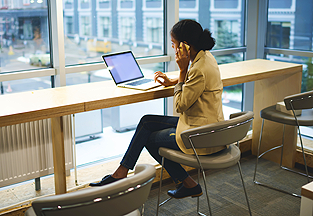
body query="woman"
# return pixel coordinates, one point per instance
(198, 99)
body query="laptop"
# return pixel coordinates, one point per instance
(126, 72)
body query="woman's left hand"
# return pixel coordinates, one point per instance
(182, 58)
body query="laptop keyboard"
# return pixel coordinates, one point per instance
(139, 82)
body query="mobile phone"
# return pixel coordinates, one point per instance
(181, 47)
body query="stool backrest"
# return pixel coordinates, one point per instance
(299, 101)
(118, 198)
(219, 133)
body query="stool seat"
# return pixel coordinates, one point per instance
(222, 159)
(270, 113)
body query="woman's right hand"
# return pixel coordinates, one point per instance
(163, 79)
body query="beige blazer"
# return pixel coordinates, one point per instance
(199, 99)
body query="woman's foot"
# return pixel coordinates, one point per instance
(105, 180)
(120, 173)
(183, 192)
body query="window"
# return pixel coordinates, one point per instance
(85, 24)
(69, 25)
(187, 4)
(84, 4)
(68, 4)
(225, 4)
(127, 4)
(105, 27)
(278, 34)
(14, 86)
(26, 2)
(153, 3)
(280, 4)
(127, 25)
(104, 4)
(154, 30)
(24, 37)
(227, 34)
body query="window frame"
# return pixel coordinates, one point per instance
(59, 69)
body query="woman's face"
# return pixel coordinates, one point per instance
(175, 43)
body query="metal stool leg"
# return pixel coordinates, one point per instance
(198, 203)
(283, 167)
(257, 157)
(244, 188)
(157, 213)
(305, 165)
(160, 204)
(304, 159)
(206, 192)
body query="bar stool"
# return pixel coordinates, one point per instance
(302, 101)
(211, 135)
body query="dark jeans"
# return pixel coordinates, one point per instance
(153, 132)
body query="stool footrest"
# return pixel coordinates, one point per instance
(300, 173)
(277, 189)
(276, 147)
(165, 201)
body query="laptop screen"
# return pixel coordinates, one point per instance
(122, 66)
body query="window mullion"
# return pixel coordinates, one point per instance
(57, 41)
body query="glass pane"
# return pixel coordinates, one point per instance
(290, 24)
(224, 18)
(112, 26)
(153, 3)
(22, 85)
(24, 36)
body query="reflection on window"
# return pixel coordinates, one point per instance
(104, 4)
(24, 37)
(154, 30)
(290, 24)
(227, 25)
(153, 3)
(226, 34)
(69, 25)
(126, 4)
(105, 27)
(225, 4)
(68, 4)
(85, 24)
(278, 34)
(84, 4)
(280, 3)
(187, 4)
(127, 25)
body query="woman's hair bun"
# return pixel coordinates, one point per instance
(192, 32)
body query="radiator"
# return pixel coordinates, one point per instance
(26, 150)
